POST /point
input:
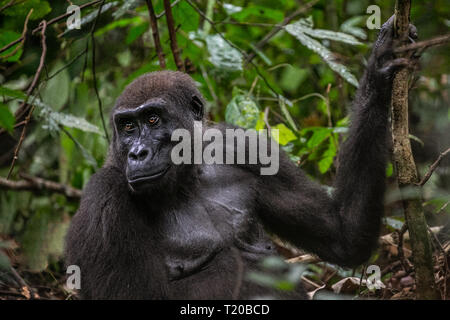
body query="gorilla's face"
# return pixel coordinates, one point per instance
(143, 138)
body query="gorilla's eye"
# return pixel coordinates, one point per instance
(128, 126)
(153, 119)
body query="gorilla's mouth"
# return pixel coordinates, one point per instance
(137, 181)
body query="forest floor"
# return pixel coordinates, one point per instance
(322, 280)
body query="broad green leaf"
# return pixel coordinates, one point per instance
(4, 91)
(242, 111)
(6, 37)
(260, 123)
(327, 158)
(319, 135)
(186, 16)
(56, 90)
(223, 55)
(53, 118)
(21, 9)
(251, 10)
(306, 26)
(119, 24)
(350, 26)
(7, 119)
(128, 5)
(284, 136)
(299, 31)
(135, 32)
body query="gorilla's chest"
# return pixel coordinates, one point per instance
(197, 232)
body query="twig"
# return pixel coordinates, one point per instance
(29, 92)
(173, 36)
(24, 286)
(433, 167)
(155, 33)
(23, 37)
(278, 28)
(424, 44)
(36, 184)
(94, 75)
(6, 6)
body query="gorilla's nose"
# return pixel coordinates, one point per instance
(138, 154)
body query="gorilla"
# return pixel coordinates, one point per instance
(147, 228)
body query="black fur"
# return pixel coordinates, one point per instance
(187, 235)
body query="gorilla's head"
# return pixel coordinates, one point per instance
(143, 119)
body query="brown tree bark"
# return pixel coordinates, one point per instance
(407, 175)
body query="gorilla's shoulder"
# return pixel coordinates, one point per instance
(106, 179)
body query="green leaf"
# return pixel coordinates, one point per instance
(135, 32)
(6, 37)
(319, 135)
(258, 11)
(223, 55)
(389, 170)
(57, 88)
(300, 30)
(327, 158)
(242, 110)
(21, 9)
(284, 136)
(122, 23)
(350, 26)
(186, 16)
(7, 119)
(4, 91)
(306, 26)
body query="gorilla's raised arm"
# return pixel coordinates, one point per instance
(341, 228)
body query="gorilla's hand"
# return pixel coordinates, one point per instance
(385, 63)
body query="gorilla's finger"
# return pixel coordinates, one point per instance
(413, 32)
(394, 65)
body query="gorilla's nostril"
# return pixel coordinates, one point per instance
(143, 154)
(140, 155)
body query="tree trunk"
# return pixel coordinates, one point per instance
(406, 169)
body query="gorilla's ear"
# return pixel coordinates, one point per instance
(197, 107)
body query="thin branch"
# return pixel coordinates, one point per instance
(155, 33)
(29, 92)
(424, 44)
(173, 36)
(6, 6)
(23, 37)
(24, 286)
(433, 167)
(278, 28)
(36, 184)
(173, 4)
(94, 75)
